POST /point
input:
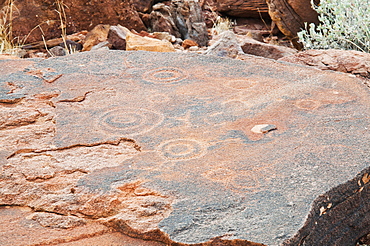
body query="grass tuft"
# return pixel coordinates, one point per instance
(221, 25)
(8, 44)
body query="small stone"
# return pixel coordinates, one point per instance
(264, 128)
(117, 37)
(178, 41)
(189, 43)
(58, 51)
(193, 48)
(101, 46)
(165, 36)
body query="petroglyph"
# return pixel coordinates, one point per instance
(129, 121)
(176, 148)
(182, 149)
(167, 75)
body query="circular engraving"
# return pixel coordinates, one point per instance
(181, 149)
(165, 75)
(130, 121)
(219, 175)
(308, 104)
(241, 84)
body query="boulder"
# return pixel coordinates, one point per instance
(190, 21)
(32, 19)
(290, 16)
(347, 61)
(209, 9)
(117, 37)
(254, 47)
(162, 20)
(183, 19)
(227, 45)
(136, 42)
(97, 35)
(238, 8)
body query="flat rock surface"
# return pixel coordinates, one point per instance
(176, 147)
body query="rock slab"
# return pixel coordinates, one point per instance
(185, 149)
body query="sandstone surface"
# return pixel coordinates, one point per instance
(347, 61)
(182, 149)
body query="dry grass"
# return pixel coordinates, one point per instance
(8, 44)
(221, 25)
(11, 45)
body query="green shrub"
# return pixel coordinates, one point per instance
(344, 24)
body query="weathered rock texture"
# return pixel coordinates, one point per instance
(182, 149)
(22, 226)
(30, 17)
(254, 47)
(290, 16)
(347, 61)
(237, 8)
(227, 44)
(136, 42)
(331, 207)
(183, 19)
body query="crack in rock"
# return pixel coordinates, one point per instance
(27, 124)
(76, 99)
(84, 157)
(25, 113)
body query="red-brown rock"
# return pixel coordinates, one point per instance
(347, 61)
(290, 16)
(143, 6)
(188, 43)
(209, 8)
(22, 227)
(254, 47)
(117, 37)
(239, 8)
(95, 36)
(32, 16)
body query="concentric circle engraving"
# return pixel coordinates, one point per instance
(127, 121)
(182, 149)
(308, 104)
(166, 75)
